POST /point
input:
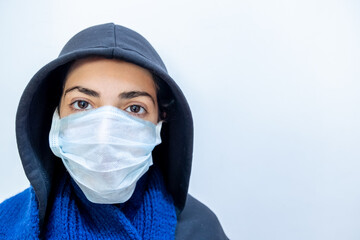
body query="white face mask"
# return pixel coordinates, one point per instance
(105, 150)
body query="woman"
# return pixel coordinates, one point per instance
(105, 137)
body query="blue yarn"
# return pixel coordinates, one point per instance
(19, 216)
(149, 214)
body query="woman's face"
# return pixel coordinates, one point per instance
(96, 82)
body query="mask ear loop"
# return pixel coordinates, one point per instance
(54, 133)
(158, 132)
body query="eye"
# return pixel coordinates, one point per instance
(81, 105)
(135, 109)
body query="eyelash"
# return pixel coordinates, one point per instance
(73, 106)
(127, 109)
(136, 113)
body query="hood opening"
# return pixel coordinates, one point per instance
(42, 96)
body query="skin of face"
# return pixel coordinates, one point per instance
(95, 82)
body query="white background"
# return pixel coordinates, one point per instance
(273, 86)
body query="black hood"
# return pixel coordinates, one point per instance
(42, 95)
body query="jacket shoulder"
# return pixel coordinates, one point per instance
(197, 221)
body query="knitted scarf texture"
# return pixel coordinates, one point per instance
(148, 214)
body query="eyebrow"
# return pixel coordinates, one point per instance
(124, 95)
(83, 90)
(134, 94)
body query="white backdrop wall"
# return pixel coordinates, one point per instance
(273, 86)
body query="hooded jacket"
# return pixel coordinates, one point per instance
(173, 156)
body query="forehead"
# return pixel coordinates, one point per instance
(99, 71)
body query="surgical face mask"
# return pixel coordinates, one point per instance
(105, 150)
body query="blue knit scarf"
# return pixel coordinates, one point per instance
(149, 214)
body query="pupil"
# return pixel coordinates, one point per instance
(82, 104)
(135, 108)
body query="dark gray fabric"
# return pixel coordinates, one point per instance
(42, 94)
(197, 221)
